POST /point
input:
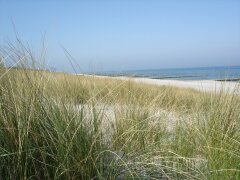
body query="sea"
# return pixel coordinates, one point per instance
(226, 73)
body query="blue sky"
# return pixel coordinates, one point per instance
(123, 35)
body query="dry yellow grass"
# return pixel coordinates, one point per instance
(52, 125)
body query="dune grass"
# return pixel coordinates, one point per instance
(63, 126)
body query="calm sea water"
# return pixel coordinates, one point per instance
(203, 73)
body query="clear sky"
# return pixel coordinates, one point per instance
(124, 35)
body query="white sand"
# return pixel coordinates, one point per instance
(201, 85)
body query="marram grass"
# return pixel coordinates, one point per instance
(62, 126)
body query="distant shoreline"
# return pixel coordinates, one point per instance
(228, 86)
(169, 77)
(225, 73)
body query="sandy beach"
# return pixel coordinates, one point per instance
(200, 85)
